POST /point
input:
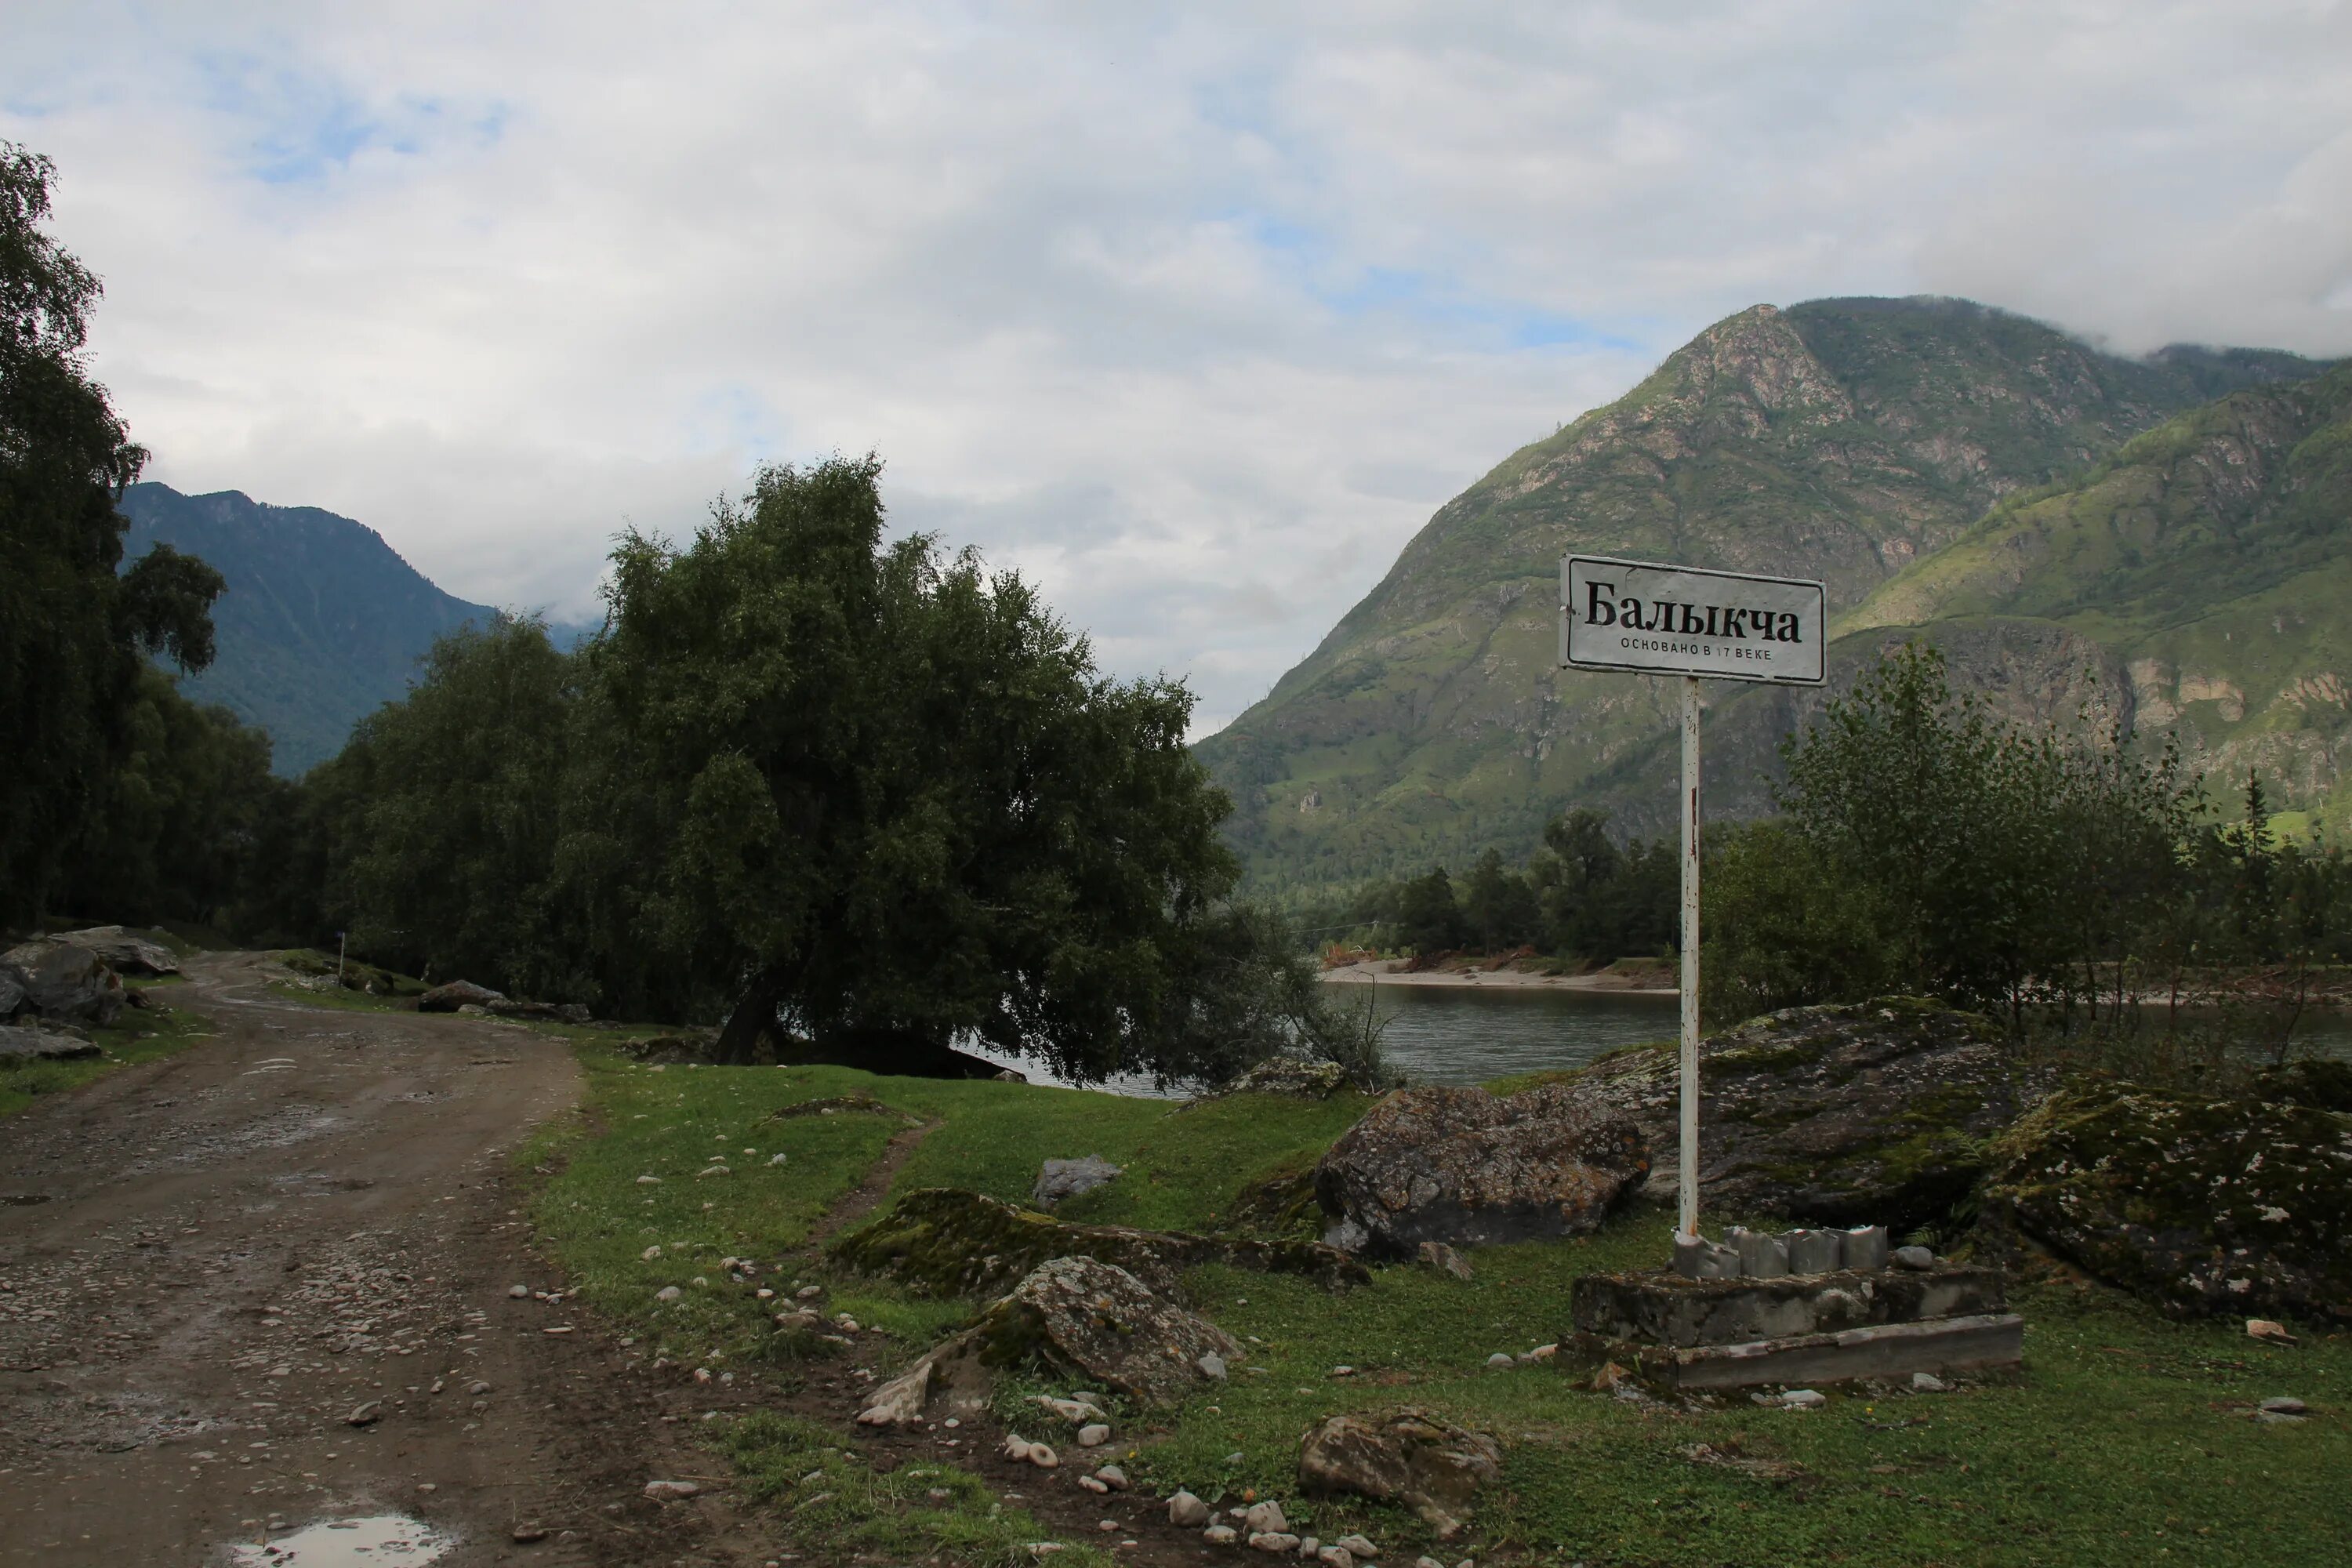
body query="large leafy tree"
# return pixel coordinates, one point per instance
(888, 799)
(72, 630)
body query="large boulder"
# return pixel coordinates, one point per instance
(1062, 1179)
(123, 951)
(21, 1044)
(1406, 1455)
(1469, 1168)
(1084, 1318)
(1301, 1077)
(945, 1241)
(65, 979)
(456, 994)
(1073, 1319)
(1869, 1113)
(12, 990)
(2200, 1203)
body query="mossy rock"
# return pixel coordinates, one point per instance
(1868, 1113)
(2202, 1204)
(1082, 1318)
(1279, 1202)
(945, 1241)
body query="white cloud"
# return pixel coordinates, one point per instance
(1194, 315)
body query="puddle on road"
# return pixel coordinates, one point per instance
(347, 1543)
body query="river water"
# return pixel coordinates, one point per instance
(1436, 1033)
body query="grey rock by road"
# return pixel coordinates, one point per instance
(1068, 1178)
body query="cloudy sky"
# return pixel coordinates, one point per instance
(1193, 314)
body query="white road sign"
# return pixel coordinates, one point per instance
(1680, 620)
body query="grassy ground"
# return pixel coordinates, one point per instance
(2128, 1438)
(140, 1034)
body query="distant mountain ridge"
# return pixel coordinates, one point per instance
(322, 622)
(1853, 440)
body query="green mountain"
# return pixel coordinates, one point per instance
(1852, 440)
(321, 621)
(2209, 562)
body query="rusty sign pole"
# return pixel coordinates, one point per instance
(1645, 618)
(1687, 1209)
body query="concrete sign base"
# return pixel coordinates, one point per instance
(1851, 1323)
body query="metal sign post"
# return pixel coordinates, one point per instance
(1651, 619)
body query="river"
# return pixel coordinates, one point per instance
(1438, 1033)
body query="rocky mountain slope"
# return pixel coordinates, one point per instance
(2209, 562)
(1852, 440)
(322, 622)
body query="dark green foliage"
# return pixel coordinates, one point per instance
(458, 814)
(121, 797)
(179, 826)
(1499, 911)
(2004, 868)
(1603, 902)
(1783, 926)
(1427, 918)
(1582, 895)
(860, 798)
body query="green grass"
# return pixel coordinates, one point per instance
(139, 1035)
(825, 1494)
(2127, 1440)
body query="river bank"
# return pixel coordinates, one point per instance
(1644, 979)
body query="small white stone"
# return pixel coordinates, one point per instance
(520, 1292)
(1927, 1383)
(1266, 1519)
(650, 1253)
(1094, 1435)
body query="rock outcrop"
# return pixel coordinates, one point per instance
(1871, 1113)
(945, 1241)
(60, 979)
(457, 994)
(125, 953)
(1062, 1179)
(22, 1045)
(1466, 1168)
(1406, 1455)
(1297, 1077)
(1084, 1318)
(1073, 1318)
(2200, 1203)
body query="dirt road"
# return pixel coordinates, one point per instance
(212, 1267)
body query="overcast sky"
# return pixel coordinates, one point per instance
(1193, 315)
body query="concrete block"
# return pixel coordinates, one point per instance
(1815, 1251)
(1885, 1350)
(1865, 1247)
(1669, 1309)
(1696, 1258)
(1763, 1257)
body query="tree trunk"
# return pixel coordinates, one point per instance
(754, 1014)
